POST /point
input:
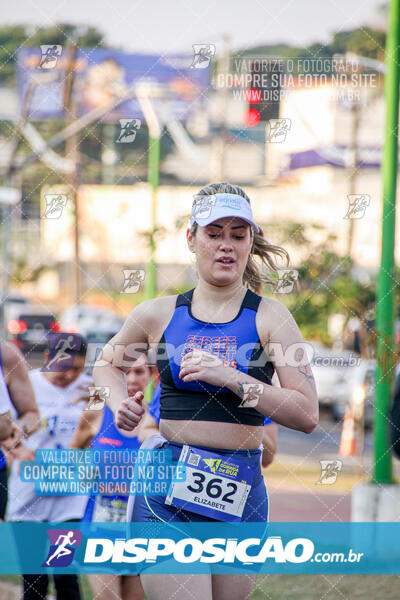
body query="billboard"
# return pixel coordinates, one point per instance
(102, 75)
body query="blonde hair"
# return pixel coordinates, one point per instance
(252, 276)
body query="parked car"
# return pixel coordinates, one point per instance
(13, 305)
(28, 325)
(331, 370)
(86, 320)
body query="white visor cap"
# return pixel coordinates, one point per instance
(208, 209)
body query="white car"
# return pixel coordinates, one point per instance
(361, 392)
(332, 372)
(86, 320)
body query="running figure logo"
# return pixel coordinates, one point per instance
(212, 463)
(97, 397)
(54, 206)
(129, 127)
(62, 542)
(133, 279)
(329, 471)
(250, 394)
(357, 205)
(62, 348)
(277, 130)
(203, 53)
(50, 55)
(286, 280)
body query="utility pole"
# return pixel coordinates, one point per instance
(72, 152)
(218, 145)
(109, 156)
(385, 297)
(9, 198)
(145, 94)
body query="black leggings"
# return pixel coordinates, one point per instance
(3, 492)
(67, 587)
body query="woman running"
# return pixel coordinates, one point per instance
(213, 346)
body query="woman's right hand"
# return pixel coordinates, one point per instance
(130, 412)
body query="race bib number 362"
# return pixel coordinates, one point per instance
(216, 486)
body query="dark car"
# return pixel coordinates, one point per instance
(29, 326)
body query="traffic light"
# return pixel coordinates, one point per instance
(263, 96)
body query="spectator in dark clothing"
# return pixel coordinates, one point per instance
(395, 418)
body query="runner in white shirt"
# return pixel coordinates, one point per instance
(61, 397)
(60, 413)
(17, 397)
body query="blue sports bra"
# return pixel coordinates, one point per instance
(236, 343)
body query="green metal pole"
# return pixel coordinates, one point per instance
(153, 179)
(109, 156)
(385, 297)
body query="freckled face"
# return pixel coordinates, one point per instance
(222, 249)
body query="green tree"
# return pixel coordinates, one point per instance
(363, 41)
(12, 38)
(326, 282)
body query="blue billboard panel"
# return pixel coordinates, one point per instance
(102, 76)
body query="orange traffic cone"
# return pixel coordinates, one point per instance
(348, 440)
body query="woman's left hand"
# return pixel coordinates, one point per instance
(198, 365)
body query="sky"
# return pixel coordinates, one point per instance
(167, 26)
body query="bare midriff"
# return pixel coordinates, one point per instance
(229, 436)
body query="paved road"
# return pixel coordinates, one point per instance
(322, 443)
(289, 503)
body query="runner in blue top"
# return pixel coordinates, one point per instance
(150, 422)
(97, 429)
(217, 347)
